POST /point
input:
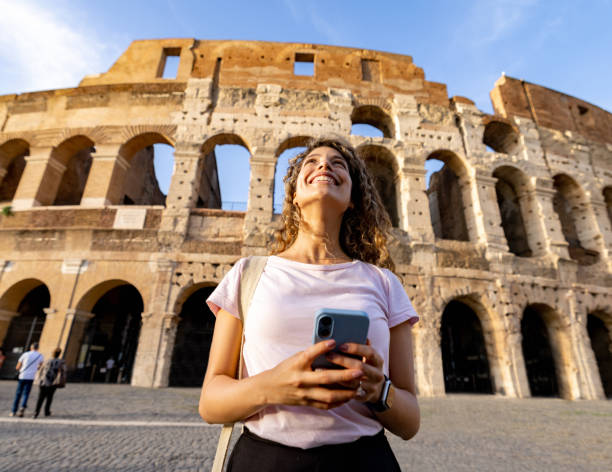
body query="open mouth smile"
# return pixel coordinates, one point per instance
(323, 177)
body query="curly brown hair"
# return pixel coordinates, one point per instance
(365, 226)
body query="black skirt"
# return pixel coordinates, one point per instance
(368, 453)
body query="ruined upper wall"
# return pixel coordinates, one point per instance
(551, 109)
(248, 63)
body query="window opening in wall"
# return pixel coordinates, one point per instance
(511, 215)
(14, 161)
(168, 67)
(500, 137)
(607, 192)
(374, 117)
(370, 70)
(431, 166)
(75, 153)
(362, 129)
(279, 174)
(582, 110)
(446, 206)
(193, 340)
(601, 343)
(303, 64)
(464, 355)
(163, 162)
(234, 171)
(379, 162)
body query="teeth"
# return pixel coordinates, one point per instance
(323, 178)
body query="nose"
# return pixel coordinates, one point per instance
(324, 163)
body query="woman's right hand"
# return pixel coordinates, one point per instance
(293, 382)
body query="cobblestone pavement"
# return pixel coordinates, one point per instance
(120, 428)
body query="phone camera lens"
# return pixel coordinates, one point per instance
(325, 324)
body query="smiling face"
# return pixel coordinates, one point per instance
(324, 178)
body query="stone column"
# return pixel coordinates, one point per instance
(516, 382)
(40, 180)
(182, 194)
(76, 323)
(415, 204)
(556, 243)
(489, 214)
(429, 372)
(105, 184)
(156, 341)
(604, 237)
(584, 365)
(260, 205)
(6, 317)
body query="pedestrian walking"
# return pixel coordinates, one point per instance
(27, 365)
(51, 376)
(331, 253)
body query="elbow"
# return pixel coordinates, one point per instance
(410, 432)
(206, 414)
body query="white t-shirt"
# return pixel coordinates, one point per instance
(29, 364)
(280, 323)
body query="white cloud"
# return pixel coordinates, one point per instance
(42, 49)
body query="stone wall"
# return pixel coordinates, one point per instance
(525, 160)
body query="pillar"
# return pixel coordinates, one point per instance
(260, 207)
(557, 245)
(40, 180)
(490, 229)
(105, 183)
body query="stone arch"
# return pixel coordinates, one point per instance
(518, 209)
(209, 188)
(374, 116)
(12, 164)
(105, 325)
(286, 150)
(470, 348)
(546, 344)
(138, 182)
(193, 336)
(501, 137)
(450, 196)
(67, 172)
(22, 317)
(578, 224)
(382, 165)
(599, 329)
(607, 194)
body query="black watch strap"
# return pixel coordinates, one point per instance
(381, 405)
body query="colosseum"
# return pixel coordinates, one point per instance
(506, 251)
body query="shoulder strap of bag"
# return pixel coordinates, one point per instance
(23, 369)
(251, 272)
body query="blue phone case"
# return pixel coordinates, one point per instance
(346, 326)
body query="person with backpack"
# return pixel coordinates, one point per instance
(51, 376)
(27, 365)
(331, 253)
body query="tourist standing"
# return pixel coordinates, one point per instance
(51, 376)
(27, 365)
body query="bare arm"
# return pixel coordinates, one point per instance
(403, 418)
(225, 399)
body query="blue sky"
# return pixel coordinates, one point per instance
(466, 44)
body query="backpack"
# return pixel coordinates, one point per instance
(60, 377)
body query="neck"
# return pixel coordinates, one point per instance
(318, 241)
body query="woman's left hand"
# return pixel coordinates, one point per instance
(371, 383)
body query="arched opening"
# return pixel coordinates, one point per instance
(147, 179)
(578, 226)
(110, 338)
(446, 191)
(538, 353)
(501, 137)
(75, 155)
(607, 193)
(193, 339)
(285, 152)
(511, 189)
(601, 342)
(464, 354)
(225, 172)
(383, 168)
(374, 117)
(26, 327)
(12, 164)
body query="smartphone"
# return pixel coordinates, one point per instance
(343, 326)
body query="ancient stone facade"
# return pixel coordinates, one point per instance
(506, 256)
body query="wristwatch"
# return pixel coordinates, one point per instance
(385, 400)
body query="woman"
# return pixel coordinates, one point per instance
(331, 254)
(47, 378)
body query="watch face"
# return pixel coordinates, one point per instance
(390, 395)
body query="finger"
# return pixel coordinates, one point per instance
(331, 376)
(312, 352)
(344, 361)
(326, 395)
(367, 352)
